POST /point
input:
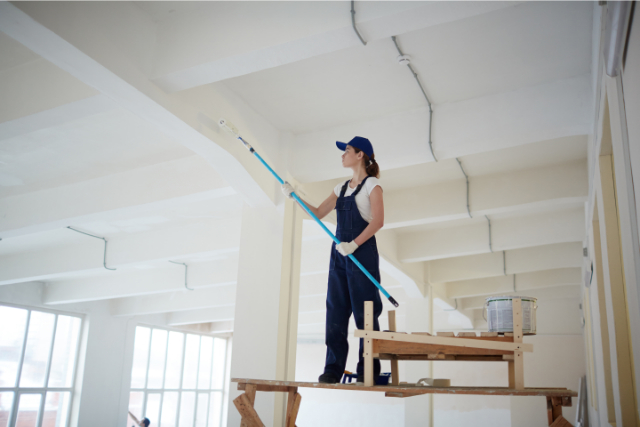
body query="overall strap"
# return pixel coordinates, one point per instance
(355, 193)
(344, 188)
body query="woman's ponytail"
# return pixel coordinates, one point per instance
(370, 164)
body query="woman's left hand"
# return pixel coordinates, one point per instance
(347, 248)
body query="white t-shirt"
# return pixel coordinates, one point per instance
(362, 198)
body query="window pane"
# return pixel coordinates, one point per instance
(135, 406)
(6, 400)
(56, 410)
(14, 322)
(191, 361)
(157, 357)
(186, 409)
(201, 412)
(219, 353)
(140, 355)
(169, 409)
(37, 351)
(215, 409)
(28, 409)
(204, 372)
(153, 408)
(174, 360)
(64, 351)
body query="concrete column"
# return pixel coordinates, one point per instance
(418, 410)
(104, 369)
(266, 304)
(289, 301)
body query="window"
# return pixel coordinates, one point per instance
(177, 378)
(38, 356)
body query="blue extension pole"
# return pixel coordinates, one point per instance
(231, 128)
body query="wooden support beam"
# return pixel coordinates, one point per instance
(395, 374)
(368, 344)
(561, 422)
(518, 357)
(293, 405)
(478, 342)
(554, 411)
(244, 405)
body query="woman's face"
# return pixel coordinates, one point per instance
(350, 158)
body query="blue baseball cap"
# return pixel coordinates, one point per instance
(363, 144)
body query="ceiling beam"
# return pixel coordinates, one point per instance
(202, 315)
(220, 296)
(55, 116)
(202, 239)
(154, 281)
(375, 22)
(488, 195)
(546, 257)
(113, 197)
(88, 56)
(506, 234)
(556, 292)
(514, 283)
(532, 114)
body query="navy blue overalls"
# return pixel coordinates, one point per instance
(348, 287)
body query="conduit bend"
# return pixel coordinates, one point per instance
(104, 258)
(415, 75)
(353, 22)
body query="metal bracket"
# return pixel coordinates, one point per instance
(186, 270)
(490, 244)
(353, 22)
(452, 309)
(467, 178)
(504, 262)
(104, 259)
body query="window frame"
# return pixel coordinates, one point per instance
(42, 391)
(146, 390)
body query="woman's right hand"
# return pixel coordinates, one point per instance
(287, 189)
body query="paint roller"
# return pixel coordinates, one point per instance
(229, 127)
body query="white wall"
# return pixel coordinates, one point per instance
(453, 410)
(631, 81)
(557, 361)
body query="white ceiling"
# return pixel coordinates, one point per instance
(333, 89)
(498, 52)
(491, 53)
(529, 156)
(79, 150)
(520, 46)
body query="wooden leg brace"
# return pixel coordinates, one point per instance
(244, 404)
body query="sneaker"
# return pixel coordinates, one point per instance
(328, 378)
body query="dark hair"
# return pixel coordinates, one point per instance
(146, 422)
(370, 164)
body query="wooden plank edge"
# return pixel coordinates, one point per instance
(456, 342)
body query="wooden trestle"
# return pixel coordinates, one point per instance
(394, 346)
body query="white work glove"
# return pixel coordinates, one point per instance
(347, 248)
(287, 189)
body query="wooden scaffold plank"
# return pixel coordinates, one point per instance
(395, 373)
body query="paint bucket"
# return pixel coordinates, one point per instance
(500, 314)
